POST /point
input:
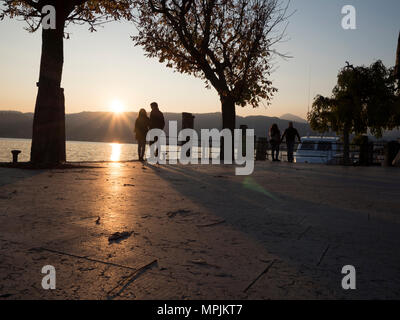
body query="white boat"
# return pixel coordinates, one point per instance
(325, 150)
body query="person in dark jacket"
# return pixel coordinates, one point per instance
(156, 121)
(290, 134)
(275, 141)
(142, 126)
(156, 117)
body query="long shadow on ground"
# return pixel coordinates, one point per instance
(315, 238)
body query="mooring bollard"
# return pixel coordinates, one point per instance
(15, 154)
(244, 128)
(210, 148)
(187, 123)
(364, 150)
(262, 146)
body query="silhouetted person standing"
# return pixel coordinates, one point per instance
(290, 134)
(275, 141)
(142, 126)
(156, 117)
(156, 120)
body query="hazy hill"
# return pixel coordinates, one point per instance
(107, 127)
(15, 124)
(292, 117)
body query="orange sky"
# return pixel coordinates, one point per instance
(105, 66)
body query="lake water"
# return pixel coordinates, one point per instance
(76, 151)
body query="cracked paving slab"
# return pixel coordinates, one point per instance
(211, 233)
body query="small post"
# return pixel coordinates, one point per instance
(187, 123)
(15, 154)
(244, 128)
(364, 151)
(187, 120)
(210, 148)
(261, 153)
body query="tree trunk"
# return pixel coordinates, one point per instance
(48, 137)
(228, 114)
(346, 146)
(228, 121)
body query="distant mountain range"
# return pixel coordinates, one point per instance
(108, 127)
(292, 117)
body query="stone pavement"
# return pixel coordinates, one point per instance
(200, 232)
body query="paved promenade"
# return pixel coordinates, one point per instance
(200, 232)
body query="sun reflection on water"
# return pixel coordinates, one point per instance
(115, 152)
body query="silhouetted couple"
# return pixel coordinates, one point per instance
(290, 135)
(143, 124)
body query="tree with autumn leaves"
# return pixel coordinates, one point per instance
(48, 139)
(228, 43)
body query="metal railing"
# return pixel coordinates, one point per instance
(372, 153)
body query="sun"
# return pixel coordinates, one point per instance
(117, 107)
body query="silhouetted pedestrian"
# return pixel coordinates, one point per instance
(142, 126)
(290, 134)
(156, 117)
(156, 121)
(275, 141)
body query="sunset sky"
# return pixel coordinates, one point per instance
(104, 67)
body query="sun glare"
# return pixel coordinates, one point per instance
(115, 152)
(117, 107)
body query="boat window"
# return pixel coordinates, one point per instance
(307, 145)
(324, 146)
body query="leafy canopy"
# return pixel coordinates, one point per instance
(364, 98)
(93, 12)
(228, 43)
